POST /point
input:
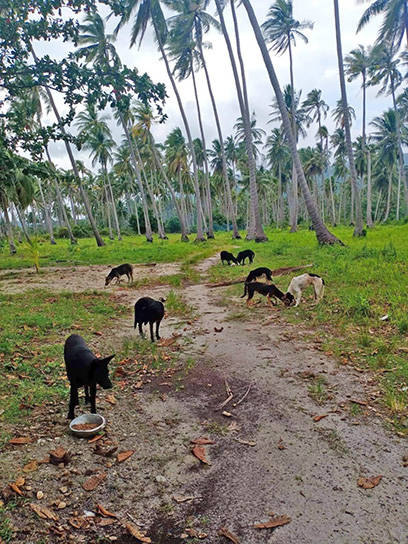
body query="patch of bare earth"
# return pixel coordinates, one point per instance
(76, 278)
(272, 456)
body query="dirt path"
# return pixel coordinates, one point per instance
(269, 455)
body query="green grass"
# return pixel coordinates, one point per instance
(33, 328)
(133, 249)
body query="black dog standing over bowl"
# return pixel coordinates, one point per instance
(84, 369)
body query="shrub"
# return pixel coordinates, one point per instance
(173, 225)
(62, 232)
(81, 231)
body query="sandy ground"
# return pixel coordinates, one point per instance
(75, 278)
(268, 456)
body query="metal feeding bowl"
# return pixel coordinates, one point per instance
(97, 420)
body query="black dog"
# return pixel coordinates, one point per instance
(122, 270)
(247, 253)
(148, 310)
(267, 290)
(257, 273)
(229, 257)
(84, 369)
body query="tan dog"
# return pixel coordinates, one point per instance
(299, 283)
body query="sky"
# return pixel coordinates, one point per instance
(315, 66)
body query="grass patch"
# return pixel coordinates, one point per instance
(176, 305)
(33, 329)
(317, 391)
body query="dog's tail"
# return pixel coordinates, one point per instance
(245, 290)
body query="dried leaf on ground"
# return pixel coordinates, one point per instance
(95, 438)
(40, 495)
(111, 399)
(202, 441)
(18, 440)
(200, 453)
(91, 483)
(16, 489)
(369, 483)
(134, 531)
(123, 455)
(43, 512)
(20, 481)
(405, 461)
(77, 522)
(361, 402)
(59, 455)
(318, 418)
(195, 534)
(224, 532)
(281, 445)
(98, 450)
(165, 342)
(275, 521)
(105, 522)
(102, 510)
(31, 466)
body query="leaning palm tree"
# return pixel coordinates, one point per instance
(322, 233)
(395, 22)
(281, 30)
(150, 11)
(358, 230)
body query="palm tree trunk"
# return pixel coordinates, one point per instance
(9, 229)
(48, 221)
(200, 234)
(333, 209)
(160, 229)
(398, 195)
(377, 206)
(388, 206)
(84, 196)
(210, 233)
(322, 233)
(107, 211)
(230, 205)
(358, 230)
(20, 215)
(369, 191)
(137, 219)
(258, 234)
(295, 210)
(135, 165)
(114, 210)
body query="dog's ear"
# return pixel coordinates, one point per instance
(106, 360)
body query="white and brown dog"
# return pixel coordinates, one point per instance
(299, 283)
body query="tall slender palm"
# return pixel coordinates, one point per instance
(255, 225)
(97, 48)
(278, 155)
(358, 230)
(322, 233)
(150, 11)
(358, 64)
(316, 108)
(257, 133)
(191, 23)
(395, 22)
(281, 29)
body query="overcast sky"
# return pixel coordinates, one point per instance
(315, 66)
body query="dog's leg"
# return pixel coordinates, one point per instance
(141, 330)
(93, 398)
(72, 399)
(87, 397)
(268, 298)
(157, 330)
(151, 330)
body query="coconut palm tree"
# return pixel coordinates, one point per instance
(358, 230)
(150, 11)
(385, 72)
(358, 64)
(282, 30)
(255, 225)
(316, 108)
(385, 136)
(395, 22)
(257, 133)
(98, 49)
(278, 157)
(191, 23)
(322, 233)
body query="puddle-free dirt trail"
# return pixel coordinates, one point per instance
(288, 464)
